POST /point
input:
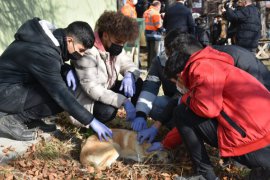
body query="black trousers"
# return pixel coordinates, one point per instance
(196, 130)
(105, 112)
(39, 104)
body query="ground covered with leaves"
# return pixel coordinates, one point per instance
(58, 158)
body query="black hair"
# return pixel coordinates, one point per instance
(182, 42)
(82, 33)
(175, 64)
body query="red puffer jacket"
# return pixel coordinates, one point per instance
(236, 99)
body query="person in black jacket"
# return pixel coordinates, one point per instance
(31, 85)
(248, 21)
(179, 16)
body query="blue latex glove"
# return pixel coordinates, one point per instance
(149, 134)
(139, 124)
(130, 110)
(71, 80)
(128, 84)
(101, 129)
(156, 146)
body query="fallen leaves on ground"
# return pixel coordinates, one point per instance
(58, 158)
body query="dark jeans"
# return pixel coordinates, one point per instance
(153, 50)
(39, 104)
(196, 130)
(105, 112)
(166, 116)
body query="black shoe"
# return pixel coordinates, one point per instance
(13, 128)
(39, 124)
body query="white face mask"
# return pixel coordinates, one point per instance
(134, 2)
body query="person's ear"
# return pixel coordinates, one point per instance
(69, 39)
(105, 36)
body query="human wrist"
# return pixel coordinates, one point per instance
(157, 125)
(129, 75)
(90, 123)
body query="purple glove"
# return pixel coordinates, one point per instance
(149, 134)
(71, 80)
(128, 84)
(139, 124)
(130, 110)
(156, 146)
(101, 129)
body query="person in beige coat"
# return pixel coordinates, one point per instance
(99, 89)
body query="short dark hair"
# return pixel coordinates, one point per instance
(175, 64)
(82, 33)
(185, 43)
(117, 25)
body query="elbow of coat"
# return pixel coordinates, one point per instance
(212, 113)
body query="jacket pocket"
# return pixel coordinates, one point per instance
(233, 124)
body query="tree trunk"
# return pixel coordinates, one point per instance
(263, 18)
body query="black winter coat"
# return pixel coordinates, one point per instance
(179, 16)
(248, 22)
(31, 59)
(247, 61)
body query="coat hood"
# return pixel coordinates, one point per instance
(37, 31)
(207, 54)
(210, 54)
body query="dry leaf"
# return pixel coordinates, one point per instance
(90, 169)
(9, 177)
(63, 162)
(51, 177)
(22, 164)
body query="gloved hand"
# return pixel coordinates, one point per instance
(101, 129)
(130, 110)
(128, 84)
(71, 80)
(149, 134)
(139, 124)
(156, 146)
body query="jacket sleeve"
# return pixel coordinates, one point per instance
(126, 65)
(157, 21)
(150, 89)
(172, 139)
(46, 69)
(87, 69)
(236, 15)
(205, 89)
(191, 24)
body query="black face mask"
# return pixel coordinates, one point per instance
(74, 56)
(115, 49)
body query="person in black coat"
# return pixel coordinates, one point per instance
(31, 83)
(179, 16)
(248, 62)
(247, 18)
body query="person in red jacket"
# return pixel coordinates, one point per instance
(219, 109)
